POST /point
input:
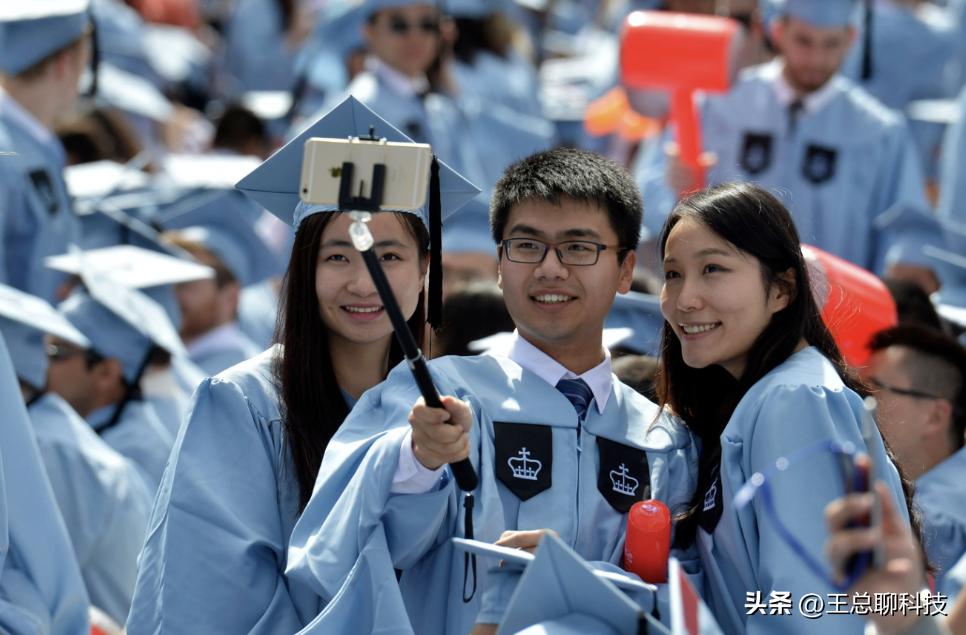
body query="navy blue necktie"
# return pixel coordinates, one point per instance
(579, 394)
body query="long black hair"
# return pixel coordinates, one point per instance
(312, 404)
(756, 223)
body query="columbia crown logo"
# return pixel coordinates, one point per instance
(710, 496)
(524, 467)
(622, 482)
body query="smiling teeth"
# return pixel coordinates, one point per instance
(552, 298)
(692, 329)
(363, 309)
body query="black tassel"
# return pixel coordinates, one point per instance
(435, 300)
(867, 68)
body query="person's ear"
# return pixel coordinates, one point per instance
(627, 272)
(940, 417)
(783, 290)
(107, 374)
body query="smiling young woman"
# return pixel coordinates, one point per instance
(749, 365)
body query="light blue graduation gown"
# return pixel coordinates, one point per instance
(511, 82)
(257, 312)
(942, 499)
(799, 403)
(231, 347)
(952, 193)
(858, 153)
(41, 589)
(36, 219)
(215, 553)
(102, 498)
(353, 532)
(255, 55)
(140, 436)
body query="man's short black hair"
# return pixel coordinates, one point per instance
(569, 173)
(937, 366)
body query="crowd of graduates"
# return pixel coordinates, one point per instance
(208, 425)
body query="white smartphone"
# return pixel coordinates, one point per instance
(407, 171)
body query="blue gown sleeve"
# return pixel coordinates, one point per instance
(352, 494)
(215, 552)
(41, 589)
(105, 505)
(789, 418)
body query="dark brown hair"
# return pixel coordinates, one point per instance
(311, 401)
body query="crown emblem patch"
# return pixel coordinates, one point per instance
(629, 482)
(622, 482)
(522, 466)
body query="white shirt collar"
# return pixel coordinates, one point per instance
(812, 102)
(528, 356)
(10, 107)
(399, 83)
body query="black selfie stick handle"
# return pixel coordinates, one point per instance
(463, 470)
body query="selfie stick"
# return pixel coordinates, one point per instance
(359, 210)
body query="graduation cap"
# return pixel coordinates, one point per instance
(24, 319)
(218, 217)
(150, 270)
(31, 30)
(132, 267)
(559, 593)
(275, 183)
(120, 322)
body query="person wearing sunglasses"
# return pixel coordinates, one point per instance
(748, 364)
(919, 375)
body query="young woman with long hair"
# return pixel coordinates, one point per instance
(751, 368)
(247, 457)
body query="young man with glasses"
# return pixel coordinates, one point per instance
(558, 444)
(919, 374)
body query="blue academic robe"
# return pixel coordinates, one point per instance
(952, 193)
(954, 580)
(229, 347)
(102, 498)
(140, 436)
(256, 55)
(511, 82)
(838, 169)
(914, 56)
(215, 554)
(354, 532)
(41, 589)
(799, 403)
(36, 219)
(942, 500)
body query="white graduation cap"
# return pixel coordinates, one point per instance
(31, 30)
(131, 266)
(24, 319)
(38, 314)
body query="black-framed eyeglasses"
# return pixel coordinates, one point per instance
(905, 392)
(400, 26)
(578, 253)
(60, 352)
